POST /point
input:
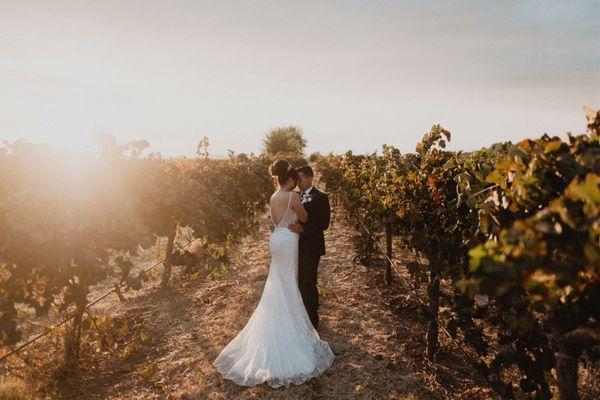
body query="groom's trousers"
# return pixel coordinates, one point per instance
(308, 265)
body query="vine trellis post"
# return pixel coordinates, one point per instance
(388, 242)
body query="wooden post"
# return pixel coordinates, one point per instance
(73, 334)
(433, 292)
(566, 370)
(567, 349)
(168, 262)
(388, 242)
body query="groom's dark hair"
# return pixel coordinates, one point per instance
(306, 170)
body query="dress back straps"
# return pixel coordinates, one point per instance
(284, 213)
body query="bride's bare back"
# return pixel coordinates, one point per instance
(281, 200)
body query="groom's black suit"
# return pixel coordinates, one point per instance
(310, 249)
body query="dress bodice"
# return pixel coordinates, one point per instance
(289, 216)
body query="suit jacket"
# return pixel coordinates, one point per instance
(312, 240)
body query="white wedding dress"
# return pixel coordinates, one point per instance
(278, 345)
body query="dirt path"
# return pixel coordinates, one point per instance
(376, 333)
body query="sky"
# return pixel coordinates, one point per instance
(352, 74)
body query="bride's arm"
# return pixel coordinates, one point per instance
(299, 208)
(271, 223)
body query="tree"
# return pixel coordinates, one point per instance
(284, 140)
(314, 157)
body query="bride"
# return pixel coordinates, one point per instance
(278, 345)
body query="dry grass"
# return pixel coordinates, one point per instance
(172, 336)
(379, 356)
(13, 389)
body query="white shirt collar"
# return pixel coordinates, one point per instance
(307, 191)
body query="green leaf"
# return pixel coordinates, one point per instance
(475, 256)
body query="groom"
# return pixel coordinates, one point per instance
(312, 241)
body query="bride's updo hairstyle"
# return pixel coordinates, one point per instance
(283, 170)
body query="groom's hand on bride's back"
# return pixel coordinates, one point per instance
(296, 228)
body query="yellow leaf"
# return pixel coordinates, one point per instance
(553, 146)
(148, 372)
(128, 350)
(123, 330)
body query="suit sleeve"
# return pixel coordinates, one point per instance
(326, 214)
(321, 218)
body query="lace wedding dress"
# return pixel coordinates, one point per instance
(278, 345)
